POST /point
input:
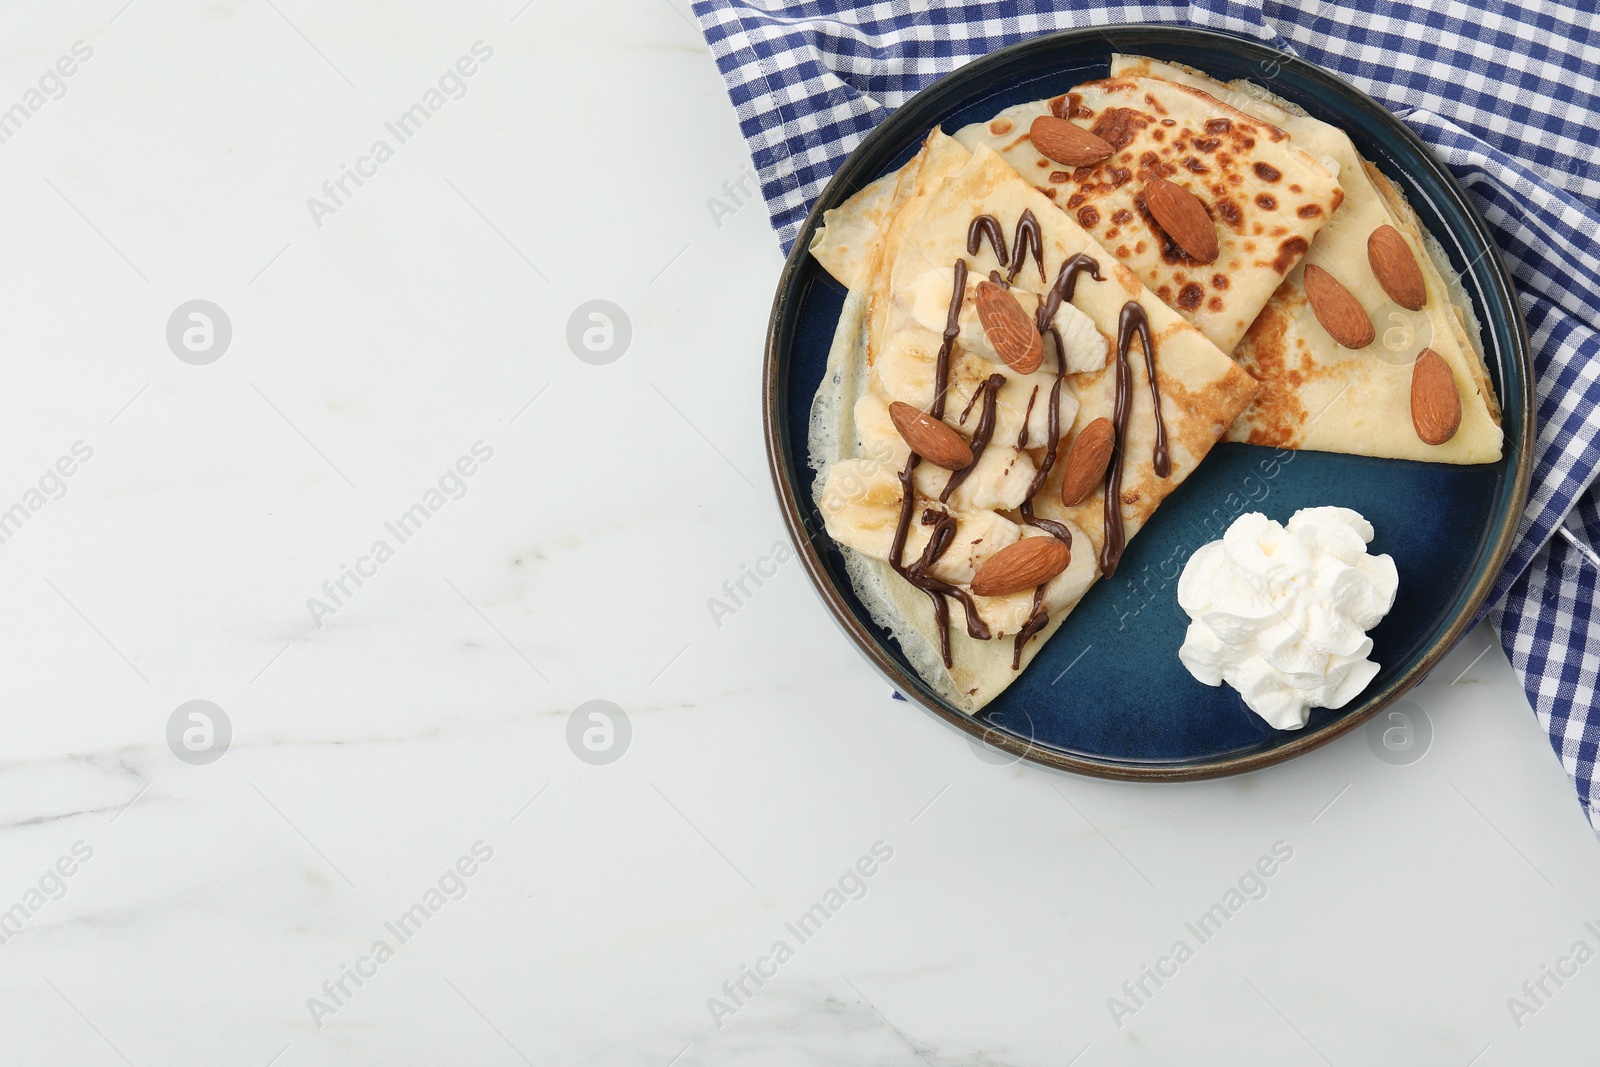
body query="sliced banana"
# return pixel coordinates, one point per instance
(930, 309)
(1087, 349)
(1007, 615)
(930, 301)
(860, 504)
(908, 363)
(861, 509)
(877, 430)
(1000, 480)
(979, 534)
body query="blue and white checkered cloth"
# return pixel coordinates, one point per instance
(1507, 94)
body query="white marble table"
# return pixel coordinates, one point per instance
(397, 766)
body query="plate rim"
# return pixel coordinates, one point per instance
(914, 689)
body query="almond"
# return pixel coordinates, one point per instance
(1396, 268)
(1086, 463)
(1435, 404)
(1067, 144)
(1181, 214)
(1009, 329)
(929, 438)
(1021, 565)
(1340, 313)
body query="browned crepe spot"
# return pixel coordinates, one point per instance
(1117, 126)
(1289, 253)
(1265, 355)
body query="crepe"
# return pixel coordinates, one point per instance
(848, 245)
(1267, 197)
(885, 349)
(1316, 394)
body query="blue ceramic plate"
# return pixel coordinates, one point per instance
(1107, 695)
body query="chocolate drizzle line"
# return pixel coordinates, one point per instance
(1022, 434)
(1049, 526)
(1053, 417)
(1038, 619)
(944, 528)
(1161, 459)
(1066, 284)
(952, 328)
(944, 532)
(990, 391)
(943, 524)
(970, 405)
(1028, 238)
(987, 226)
(1133, 319)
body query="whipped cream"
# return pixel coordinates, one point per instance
(1281, 612)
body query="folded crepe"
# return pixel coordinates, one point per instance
(1267, 198)
(916, 255)
(1317, 394)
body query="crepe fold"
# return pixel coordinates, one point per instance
(1316, 394)
(896, 246)
(1267, 197)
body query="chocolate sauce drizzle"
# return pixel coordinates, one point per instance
(970, 405)
(952, 328)
(987, 226)
(1132, 320)
(1022, 434)
(1066, 284)
(1029, 238)
(944, 528)
(990, 390)
(944, 532)
(1038, 619)
(943, 524)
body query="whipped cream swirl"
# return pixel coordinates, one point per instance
(1281, 612)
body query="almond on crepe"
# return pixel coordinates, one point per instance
(1210, 207)
(1317, 394)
